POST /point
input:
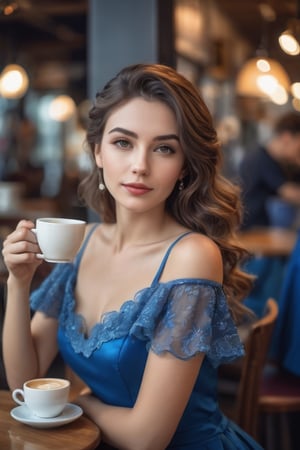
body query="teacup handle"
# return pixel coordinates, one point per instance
(15, 395)
(38, 255)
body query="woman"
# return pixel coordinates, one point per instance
(143, 316)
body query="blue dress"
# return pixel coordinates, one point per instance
(182, 316)
(285, 344)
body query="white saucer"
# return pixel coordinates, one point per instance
(58, 261)
(41, 256)
(24, 415)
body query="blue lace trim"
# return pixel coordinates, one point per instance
(183, 317)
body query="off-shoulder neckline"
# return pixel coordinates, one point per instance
(110, 321)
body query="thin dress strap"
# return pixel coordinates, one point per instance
(87, 238)
(163, 263)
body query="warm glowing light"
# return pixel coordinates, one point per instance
(260, 77)
(279, 95)
(270, 86)
(289, 43)
(13, 81)
(263, 65)
(62, 108)
(295, 89)
(267, 83)
(296, 104)
(10, 8)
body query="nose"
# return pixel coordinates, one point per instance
(140, 163)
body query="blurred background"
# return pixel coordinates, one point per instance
(242, 55)
(55, 55)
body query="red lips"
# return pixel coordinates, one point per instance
(137, 188)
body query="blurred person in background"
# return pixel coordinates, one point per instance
(270, 176)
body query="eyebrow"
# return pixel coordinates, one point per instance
(134, 135)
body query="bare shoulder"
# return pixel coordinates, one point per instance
(195, 256)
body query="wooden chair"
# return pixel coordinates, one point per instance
(241, 381)
(256, 349)
(261, 392)
(279, 398)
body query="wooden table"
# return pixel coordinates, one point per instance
(268, 241)
(82, 434)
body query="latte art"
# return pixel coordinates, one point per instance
(45, 397)
(46, 384)
(50, 385)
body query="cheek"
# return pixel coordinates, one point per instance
(112, 169)
(170, 176)
(105, 160)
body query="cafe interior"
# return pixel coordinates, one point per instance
(244, 57)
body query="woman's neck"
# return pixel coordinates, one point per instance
(142, 230)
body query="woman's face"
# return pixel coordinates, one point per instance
(140, 154)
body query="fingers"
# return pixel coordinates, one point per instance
(20, 246)
(23, 227)
(25, 223)
(21, 233)
(21, 230)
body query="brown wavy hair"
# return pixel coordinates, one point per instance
(209, 203)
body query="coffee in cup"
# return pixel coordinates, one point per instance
(59, 239)
(45, 397)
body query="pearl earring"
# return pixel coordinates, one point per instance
(101, 184)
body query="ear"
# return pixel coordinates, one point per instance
(98, 155)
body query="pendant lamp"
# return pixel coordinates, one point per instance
(289, 40)
(262, 76)
(14, 82)
(62, 108)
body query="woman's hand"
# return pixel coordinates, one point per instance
(20, 250)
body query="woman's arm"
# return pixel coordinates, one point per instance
(27, 346)
(151, 423)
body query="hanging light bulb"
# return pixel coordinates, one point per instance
(62, 108)
(279, 96)
(289, 40)
(267, 83)
(288, 43)
(295, 89)
(14, 82)
(261, 77)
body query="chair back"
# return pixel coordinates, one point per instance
(256, 350)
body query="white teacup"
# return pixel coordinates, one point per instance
(59, 239)
(45, 397)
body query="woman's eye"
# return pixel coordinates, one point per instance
(122, 143)
(165, 149)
